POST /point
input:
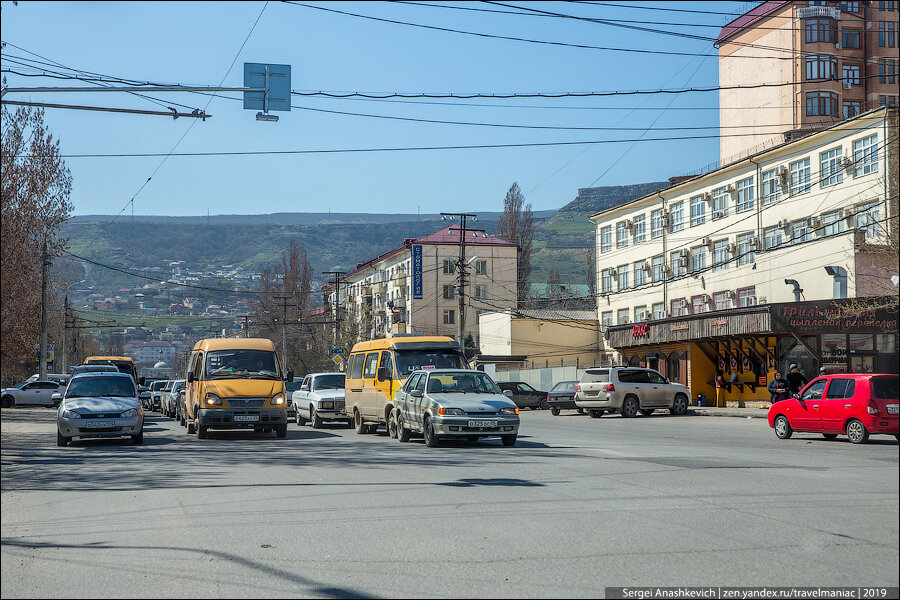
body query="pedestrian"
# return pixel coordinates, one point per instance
(779, 388)
(823, 371)
(796, 379)
(720, 390)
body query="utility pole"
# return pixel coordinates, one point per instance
(284, 299)
(45, 266)
(64, 360)
(337, 302)
(462, 268)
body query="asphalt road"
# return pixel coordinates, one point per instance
(577, 505)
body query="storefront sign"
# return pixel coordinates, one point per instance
(640, 330)
(761, 381)
(679, 327)
(832, 317)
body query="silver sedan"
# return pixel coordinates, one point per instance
(100, 405)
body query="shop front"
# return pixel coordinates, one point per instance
(749, 344)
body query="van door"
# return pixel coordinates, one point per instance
(192, 390)
(353, 384)
(384, 395)
(370, 396)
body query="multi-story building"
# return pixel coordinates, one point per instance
(814, 63)
(690, 279)
(152, 352)
(413, 288)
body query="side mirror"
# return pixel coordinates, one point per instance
(795, 396)
(56, 397)
(145, 395)
(290, 376)
(384, 374)
(508, 393)
(416, 393)
(190, 377)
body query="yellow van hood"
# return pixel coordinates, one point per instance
(245, 388)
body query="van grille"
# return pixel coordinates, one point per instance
(246, 402)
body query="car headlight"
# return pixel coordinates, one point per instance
(131, 412)
(326, 404)
(70, 414)
(278, 399)
(213, 400)
(451, 412)
(509, 410)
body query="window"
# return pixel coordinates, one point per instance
(887, 34)
(679, 264)
(606, 319)
(720, 203)
(481, 292)
(746, 249)
(656, 223)
(656, 267)
(890, 6)
(679, 307)
(890, 101)
(887, 71)
(745, 194)
(851, 109)
(699, 304)
(722, 300)
(449, 292)
(850, 6)
(640, 313)
(621, 234)
(606, 281)
(800, 176)
(850, 38)
(830, 167)
(606, 238)
(746, 296)
(356, 367)
(659, 311)
(820, 67)
(833, 223)
(698, 258)
(371, 367)
(676, 216)
(698, 211)
(801, 231)
(771, 237)
(449, 317)
(850, 74)
(865, 155)
(622, 317)
(771, 188)
(623, 277)
(481, 267)
(867, 219)
(640, 273)
(720, 255)
(821, 104)
(841, 389)
(819, 30)
(640, 228)
(449, 266)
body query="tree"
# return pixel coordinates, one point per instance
(592, 278)
(516, 225)
(34, 204)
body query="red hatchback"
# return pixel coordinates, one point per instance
(858, 404)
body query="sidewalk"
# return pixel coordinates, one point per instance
(745, 413)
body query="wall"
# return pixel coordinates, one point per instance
(569, 343)
(541, 379)
(494, 334)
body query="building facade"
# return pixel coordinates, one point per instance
(413, 288)
(807, 221)
(816, 63)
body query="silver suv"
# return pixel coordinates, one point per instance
(628, 391)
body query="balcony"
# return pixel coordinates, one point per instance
(399, 279)
(812, 12)
(379, 288)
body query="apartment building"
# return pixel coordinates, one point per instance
(413, 288)
(688, 275)
(820, 62)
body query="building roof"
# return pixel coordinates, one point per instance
(752, 16)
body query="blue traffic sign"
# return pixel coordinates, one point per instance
(337, 350)
(275, 79)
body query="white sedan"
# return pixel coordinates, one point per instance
(32, 392)
(319, 399)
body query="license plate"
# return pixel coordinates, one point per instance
(483, 424)
(892, 409)
(246, 418)
(97, 424)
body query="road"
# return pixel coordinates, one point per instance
(577, 505)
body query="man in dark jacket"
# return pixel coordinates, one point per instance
(796, 379)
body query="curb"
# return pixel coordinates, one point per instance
(745, 413)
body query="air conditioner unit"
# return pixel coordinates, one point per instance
(684, 253)
(753, 243)
(784, 224)
(782, 171)
(645, 267)
(845, 161)
(614, 272)
(837, 46)
(846, 85)
(705, 298)
(708, 197)
(732, 248)
(629, 224)
(707, 241)
(783, 177)
(731, 189)
(666, 270)
(729, 293)
(814, 222)
(718, 214)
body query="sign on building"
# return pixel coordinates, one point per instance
(417, 272)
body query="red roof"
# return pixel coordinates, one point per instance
(749, 18)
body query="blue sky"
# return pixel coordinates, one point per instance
(194, 43)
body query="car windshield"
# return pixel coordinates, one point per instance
(463, 382)
(242, 364)
(328, 382)
(564, 386)
(409, 361)
(179, 385)
(101, 386)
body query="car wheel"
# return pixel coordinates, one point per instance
(647, 411)
(403, 433)
(281, 431)
(679, 406)
(856, 431)
(361, 427)
(595, 414)
(431, 440)
(544, 404)
(138, 439)
(783, 429)
(392, 427)
(301, 420)
(7, 401)
(580, 411)
(182, 420)
(190, 426)
(316, 420)
(554, 411)
(629, 407)
(508, 440)
(61, 440)
(830, 436)
(201, 431)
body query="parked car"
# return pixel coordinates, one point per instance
(321, 398)
(855, 404)
(157, 389)
(100, 405)
(33, 392)
(289, 389)
(61, 378)
(524, 395)
(562, 396)
(171, 397)
(629, 391)
(454, 404)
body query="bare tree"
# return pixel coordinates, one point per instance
(516, 225)
(592, 278)
(34, 202)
